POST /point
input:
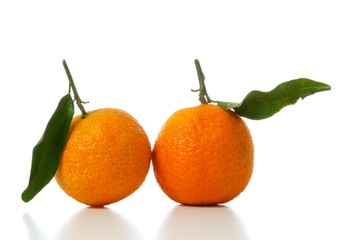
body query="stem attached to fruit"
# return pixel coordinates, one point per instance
(78, 100)
(203, 95)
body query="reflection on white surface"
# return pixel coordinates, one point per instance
(89, 223)
(218, 222)
(35, 233)
(97, 223)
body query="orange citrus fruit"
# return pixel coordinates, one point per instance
(106, 157)
(203, 155)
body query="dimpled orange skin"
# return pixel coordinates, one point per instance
(106, 157)
(203, 156)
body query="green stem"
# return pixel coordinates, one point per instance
(76, 94)
(203, 95)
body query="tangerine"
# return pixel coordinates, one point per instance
(203, 155)
(106, 158)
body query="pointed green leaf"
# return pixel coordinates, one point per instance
(260, 105)
(47, 152)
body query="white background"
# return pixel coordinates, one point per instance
(138, 56)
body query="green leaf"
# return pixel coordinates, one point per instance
(227, 105)
(47, 152)
(260, 105)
